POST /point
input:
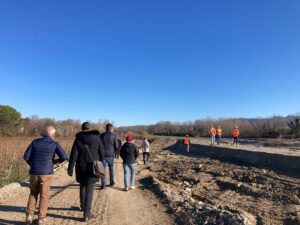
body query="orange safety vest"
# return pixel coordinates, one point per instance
(186, 141)
(235, 133)
(212, 131)
(219, 131)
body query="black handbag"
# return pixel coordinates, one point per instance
(98, 168)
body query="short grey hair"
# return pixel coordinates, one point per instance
(50, 131)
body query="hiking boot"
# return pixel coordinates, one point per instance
(87, 218)
(126, 189)
(102, 187)
(41, 221)
(112, 184)
(29, 219)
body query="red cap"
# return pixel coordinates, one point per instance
(129, 138)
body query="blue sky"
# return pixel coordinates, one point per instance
(140, 62)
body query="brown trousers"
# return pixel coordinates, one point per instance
(39, 185)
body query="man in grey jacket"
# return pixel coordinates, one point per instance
(111, 146)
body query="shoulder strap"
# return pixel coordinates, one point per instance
(87, 149)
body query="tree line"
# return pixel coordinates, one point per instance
(12, 123)
(274, 127)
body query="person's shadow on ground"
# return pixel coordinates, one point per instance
(18, 209)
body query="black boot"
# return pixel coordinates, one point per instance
(88, 217)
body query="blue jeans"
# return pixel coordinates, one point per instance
(218, 139)
(110, 162)
(132, 169)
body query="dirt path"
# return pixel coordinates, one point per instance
(111, 206)
(13, 208)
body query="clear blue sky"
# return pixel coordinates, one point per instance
(139, 62)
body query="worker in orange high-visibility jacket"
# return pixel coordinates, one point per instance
(235, 134)
(212, 133)
(186, 143)
(218, 135)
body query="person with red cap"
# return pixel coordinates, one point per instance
(129, 154)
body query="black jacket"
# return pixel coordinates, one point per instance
(129, 153)
(81, 157)
(110, 143)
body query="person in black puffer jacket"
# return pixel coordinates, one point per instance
(86, 140)
(111, 146)
(129, 154)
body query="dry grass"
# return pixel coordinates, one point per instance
(12, 166)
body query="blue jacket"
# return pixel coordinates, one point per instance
(40, 156)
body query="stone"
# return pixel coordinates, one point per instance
(186, 183)
(188, 190)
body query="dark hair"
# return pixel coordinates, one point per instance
(109, 126)
(85, 126)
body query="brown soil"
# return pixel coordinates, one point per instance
(213, 192)
(174, 189)
(111, 206)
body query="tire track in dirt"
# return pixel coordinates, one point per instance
(117, 207)
(13, 209)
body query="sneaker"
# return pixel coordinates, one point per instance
(112, 184)
(29, 219)
(102, 187)
(41, 221)
(132, 187)
(87, 218)
(126, 189)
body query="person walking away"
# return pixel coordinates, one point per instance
(111, 146)
(235, 134)
(87, 148)
(129, 154)
(186, 143)
(40, 157)
(218, 135)
(212, 133)
(146, 150)
(117, 155)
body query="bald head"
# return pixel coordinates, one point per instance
(50, 132)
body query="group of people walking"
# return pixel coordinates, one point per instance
(89, 146)
(215, 136)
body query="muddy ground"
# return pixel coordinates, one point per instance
(199, 190)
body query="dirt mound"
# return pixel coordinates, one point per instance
(189, 211)
(205, 191)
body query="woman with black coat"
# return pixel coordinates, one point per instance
(87, 148)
